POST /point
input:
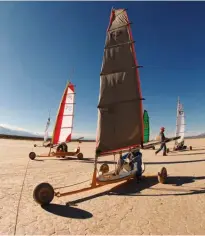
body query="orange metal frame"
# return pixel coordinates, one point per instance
(55, 154)
(95, 183)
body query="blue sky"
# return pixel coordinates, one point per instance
(41, 43)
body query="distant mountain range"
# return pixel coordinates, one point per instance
(197, 136)
(6, 131)
(16, 132)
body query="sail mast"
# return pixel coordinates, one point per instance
(46, 129)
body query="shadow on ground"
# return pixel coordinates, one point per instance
(189, 154)
(84, 160)
(131, 188)
(66, 211)
(63, 159)
(173, 162)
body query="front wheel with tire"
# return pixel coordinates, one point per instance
(32, 155)
(80, 156)
(43, 194)
(162, 175)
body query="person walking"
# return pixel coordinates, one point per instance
(163, 144)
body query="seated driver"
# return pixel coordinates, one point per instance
(180, 145)
(134, 158)
(62, 147)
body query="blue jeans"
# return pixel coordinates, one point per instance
(163, 146)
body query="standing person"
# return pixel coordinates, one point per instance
(163, 144)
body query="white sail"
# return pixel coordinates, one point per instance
(64, 121)
(180, 122)
(46, 130)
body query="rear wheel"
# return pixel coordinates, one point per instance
(43, 193)
(162, 175)
(32, 155)
(80, 156)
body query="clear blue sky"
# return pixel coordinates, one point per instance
(41, 42)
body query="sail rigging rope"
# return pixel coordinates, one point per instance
(19, 201)
(67, 186)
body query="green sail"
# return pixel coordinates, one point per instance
(146, 126)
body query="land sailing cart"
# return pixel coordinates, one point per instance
(63, 129)
(120, 110)
(180, 129)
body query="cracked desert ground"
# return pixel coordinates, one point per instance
(177, 207)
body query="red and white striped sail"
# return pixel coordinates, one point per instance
(64, 121)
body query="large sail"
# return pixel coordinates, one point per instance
(120, 112)
(180, 122)
(146, 126)
(64, 120)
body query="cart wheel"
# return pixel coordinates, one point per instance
(153, 147)
(167, 150)
(62, 156)
(190, 147)
(80, 156)
(32, 155)
(104, 168)
(43, 193)
(162, 175)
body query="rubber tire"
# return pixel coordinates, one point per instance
(153, 147)
(190, 148)
(80, 156)
(167, 150)
(162, 175)
(32, 155)
(104, 168)
(48, 194)
(35, 145)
